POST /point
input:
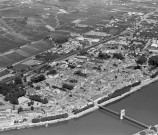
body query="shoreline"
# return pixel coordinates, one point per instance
(148, 131)
(96, 106)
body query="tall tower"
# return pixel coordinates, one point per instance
(122, 114)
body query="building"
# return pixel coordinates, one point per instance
(23, 100)
(4, 122)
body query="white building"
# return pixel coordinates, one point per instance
(6, 122)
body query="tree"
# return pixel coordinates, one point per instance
(35, 120)
(153, 61)
(141, 60)
(6, 98)
(118, 56)
(20, 109)
(32, 102)
(9, 67)
(11, 92)
(44, 101)
(67, 86)
(52, 72)
(61, 40)
(83, 52)
(72, 66)
(18, 80)
(38, 79)
(19, 93)
(103, 56)
(24, 78)
(73, 81)
(4, 89)
(32, 108)
(29, 103)
(13, 107)
(30, 84)
(79, 73)
(137, 67)
(38, 99)
(38, 87)
(14, 100)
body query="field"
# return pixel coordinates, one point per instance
(21, 24)
(22, 53)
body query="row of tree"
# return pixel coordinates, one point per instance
(20, 109)
(119, 92)
(136, 84)
(104, 56)
(67, 86)
(61, 40)
(58, 40)
(49, 118)
(38, 79)
(52, 72)
(46, 57)
(154, 75)
(38, 99)
(76, 111)
(118, 56)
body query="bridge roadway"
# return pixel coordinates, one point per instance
(68, 55)
(131, 120)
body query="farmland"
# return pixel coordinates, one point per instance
(25, 24)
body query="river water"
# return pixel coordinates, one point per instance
(141, 105)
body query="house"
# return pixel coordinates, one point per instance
(30, 91)
(23, 100)
(154, 45)
(4, 122)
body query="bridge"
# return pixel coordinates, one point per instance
(124, 117)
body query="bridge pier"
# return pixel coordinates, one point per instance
(122, 114)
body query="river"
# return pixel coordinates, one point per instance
(141, 105)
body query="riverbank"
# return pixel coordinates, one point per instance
(151, 131)
(72, 116)
(29, 125)
(133, 89)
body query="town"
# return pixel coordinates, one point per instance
(80, 71)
